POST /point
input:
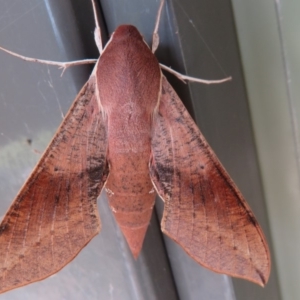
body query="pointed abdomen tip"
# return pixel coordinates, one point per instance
(135, 237)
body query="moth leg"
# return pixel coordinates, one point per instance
(62, 65)
(97, 33)
(155, 36)
(185, 78)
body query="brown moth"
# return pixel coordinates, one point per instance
(128, 131)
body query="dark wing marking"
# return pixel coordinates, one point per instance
(204, 211)
(55, 214)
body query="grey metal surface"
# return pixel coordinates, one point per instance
(270, 55)
(197, 38)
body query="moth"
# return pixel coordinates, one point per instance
(128, 132)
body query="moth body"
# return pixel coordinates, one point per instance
(128, 80)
